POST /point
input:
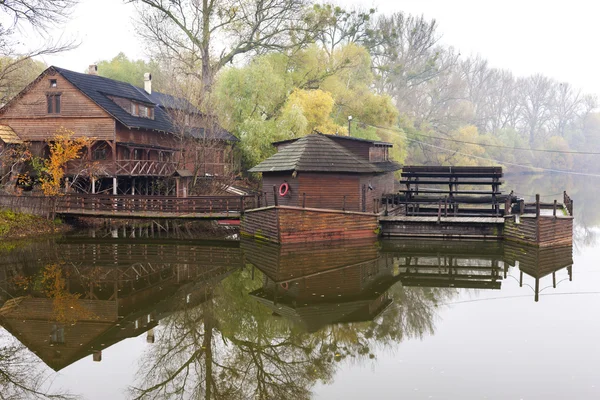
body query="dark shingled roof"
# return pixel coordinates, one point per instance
(98, 88)
(316, 153)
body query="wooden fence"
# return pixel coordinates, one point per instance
(131, 206)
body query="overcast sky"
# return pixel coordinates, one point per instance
(556, 38)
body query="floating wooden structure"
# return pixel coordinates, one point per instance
(321, 187)
(286, 224)
(466, 203)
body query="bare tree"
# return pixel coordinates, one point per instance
(205, 36)
(15, 16)
(22, 376)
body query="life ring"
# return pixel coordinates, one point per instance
(284, 188)
(285, 286)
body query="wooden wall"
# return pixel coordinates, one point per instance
(261, 224)
(323, 190)
(381, 184)
(297, 225)
(542, 231)
(148, 138)
(359, 148)
(28, 115)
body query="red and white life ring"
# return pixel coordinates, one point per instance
(284, 188)
(285, 286)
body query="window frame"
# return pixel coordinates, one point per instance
(53, 103)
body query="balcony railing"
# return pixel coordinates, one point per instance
(145, 168)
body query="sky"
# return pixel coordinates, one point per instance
(555, 38)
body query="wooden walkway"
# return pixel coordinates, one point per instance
(123, 206)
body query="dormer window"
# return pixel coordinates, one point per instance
(141, 110)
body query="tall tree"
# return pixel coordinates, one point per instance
(16, 64)
(123, 69)
(204, 36)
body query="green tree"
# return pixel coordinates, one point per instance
(123, 69)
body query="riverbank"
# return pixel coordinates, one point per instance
(17, 226)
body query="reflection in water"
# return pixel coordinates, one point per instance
(243, 320)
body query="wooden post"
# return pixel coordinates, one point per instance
(114, 186)
(133, 186)
(266, 199)
(445, 206)
(554, 209)
(93, 185)
(344, 203)
(387, 200)
(537, 206)
(303, 200)
(439, 211)
(241, 205)
(275, 200)
(521, 207)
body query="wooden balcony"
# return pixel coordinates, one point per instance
(145, 168)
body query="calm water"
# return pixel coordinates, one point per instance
(142, 316)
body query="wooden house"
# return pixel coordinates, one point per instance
(328, 171)
(140, 138)
(321, 188)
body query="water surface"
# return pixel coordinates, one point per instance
(128, 314)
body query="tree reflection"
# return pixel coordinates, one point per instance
(231, 348)
(23, 375)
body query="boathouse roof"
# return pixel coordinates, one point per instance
(319, 153)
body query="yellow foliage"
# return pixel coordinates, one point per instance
(66, 306)
(461, 153)
(63, 148)
(316, 106)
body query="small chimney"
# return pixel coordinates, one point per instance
(93, 69)
(148, 82)
(97, 356)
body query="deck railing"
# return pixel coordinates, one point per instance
(167, 205)
(124, 206)
(145, 167)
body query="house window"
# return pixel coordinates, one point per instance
(144, 111)
(100, 152)
(53, 83)
(58, 334)
(138, 154)
(53, 103)
(134, 109)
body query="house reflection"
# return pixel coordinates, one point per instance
(102, 292)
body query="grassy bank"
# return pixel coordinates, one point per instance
(16, 226)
